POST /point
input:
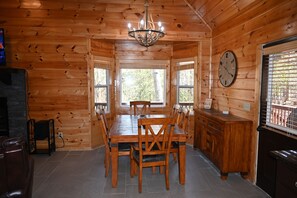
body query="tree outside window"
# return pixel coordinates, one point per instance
(143, 84)
(101, 91)
(185, 86)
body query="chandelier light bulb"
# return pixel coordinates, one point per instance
(142, 23)
(159, 24)
(129, 25)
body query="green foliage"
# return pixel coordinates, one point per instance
(142, 84)
(186, 86)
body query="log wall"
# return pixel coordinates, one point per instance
(244, 35)
(51, 40)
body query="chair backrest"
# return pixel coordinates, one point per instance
(104, 133)
(140, 107)
(101, 111)
(155, 135)
(183, 120)
(175, 112)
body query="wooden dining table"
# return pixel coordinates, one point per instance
(125, 130)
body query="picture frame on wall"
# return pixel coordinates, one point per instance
(2, 48)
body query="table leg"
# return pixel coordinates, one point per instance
(182, 162)
(114, 165)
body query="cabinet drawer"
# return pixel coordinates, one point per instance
(201, 120)
(214, 127)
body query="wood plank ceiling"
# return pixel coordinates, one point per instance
(184, 20)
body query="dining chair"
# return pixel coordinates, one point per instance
(175, 112)
(140, 107)
(182, 122)
(175, 109)
(154, 136)
(102, 111)
(124, 148)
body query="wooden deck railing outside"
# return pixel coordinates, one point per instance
(280, 113)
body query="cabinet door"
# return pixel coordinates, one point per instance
(200, 133)
(215, 142)
(286, 180)
(197, 132)
(216, 151)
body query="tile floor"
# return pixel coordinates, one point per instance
(80, 174)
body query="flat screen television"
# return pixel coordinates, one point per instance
(2, 48)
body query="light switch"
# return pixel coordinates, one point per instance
(246, 106)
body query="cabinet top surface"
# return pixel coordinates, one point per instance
(286, 155)
(220, 116)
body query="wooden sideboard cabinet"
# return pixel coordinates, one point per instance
(224, 139)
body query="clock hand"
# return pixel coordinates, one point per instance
(228, 71)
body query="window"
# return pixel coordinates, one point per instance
(101, 88)
(185, 86)
(279, 86)
(185, 83)
(143, 84)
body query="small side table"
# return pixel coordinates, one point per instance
(42, 130)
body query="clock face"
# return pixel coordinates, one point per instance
(227, 68)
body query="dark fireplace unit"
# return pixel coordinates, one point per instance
(3, 117)
(13, 102)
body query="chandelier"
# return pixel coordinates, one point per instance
(146, 34)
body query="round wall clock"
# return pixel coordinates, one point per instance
(227, 68)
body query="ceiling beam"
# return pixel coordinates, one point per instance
(198, 14)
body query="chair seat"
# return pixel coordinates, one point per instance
(124, 146)
(148, 158)
(174, 144)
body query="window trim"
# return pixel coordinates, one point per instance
(106, 86)
(178, 87)
(104, 63)
(178, 66)
(141, 64)
(153, 104)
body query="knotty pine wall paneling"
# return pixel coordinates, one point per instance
(55, 60)
(243, 35)
(60, 92)
(204, 72)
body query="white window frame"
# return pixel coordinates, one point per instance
(100, 64)
(145, 64)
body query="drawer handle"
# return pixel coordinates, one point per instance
(296, 184)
